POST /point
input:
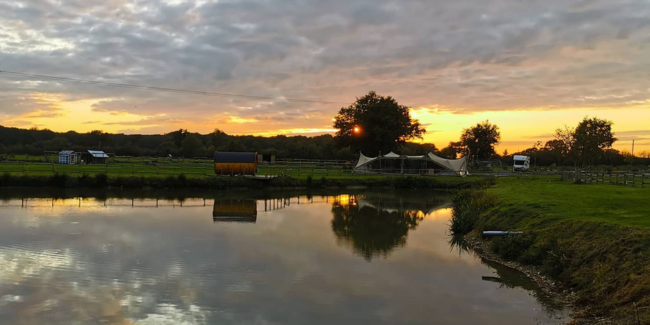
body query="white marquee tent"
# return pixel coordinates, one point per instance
(365, 164)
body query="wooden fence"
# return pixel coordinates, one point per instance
(617, 178)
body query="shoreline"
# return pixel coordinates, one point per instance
(597, 267)
(547, 284)
(580, 314)
(212, 182)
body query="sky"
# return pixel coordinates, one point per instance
(529, 66)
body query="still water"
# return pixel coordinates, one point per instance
(367, 258)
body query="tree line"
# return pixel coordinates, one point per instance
(376, 124)
(372, 125)
(588, 144)
(179, 143)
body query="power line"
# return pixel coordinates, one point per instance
(151, 88)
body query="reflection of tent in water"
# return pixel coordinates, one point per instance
(395, 206)
(235, 210)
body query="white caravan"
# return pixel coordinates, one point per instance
(522, 163)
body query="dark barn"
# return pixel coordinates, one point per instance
(235, 163)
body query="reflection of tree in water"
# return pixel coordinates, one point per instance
(372, 232)
(458, 242)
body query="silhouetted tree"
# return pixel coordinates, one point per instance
(192, 146)
(178, 136)
(591, 136)
(481, 139)
(452, 150)
(375, 123)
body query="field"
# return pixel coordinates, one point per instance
(553, 198)
(297, 169)
(35, 165)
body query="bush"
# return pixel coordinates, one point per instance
(511, 247)
(182, 180)
(462, 223)
(101, 180)
(6, 179)
(58, 180)
(468, 206)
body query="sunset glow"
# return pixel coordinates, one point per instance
(529, 69)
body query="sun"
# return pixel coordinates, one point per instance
(356, 129)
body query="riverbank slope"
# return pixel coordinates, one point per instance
(182, 181)
(593, 239)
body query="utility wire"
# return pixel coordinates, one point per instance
(162, 89)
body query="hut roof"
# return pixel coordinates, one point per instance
(235, 157)
(98, 154)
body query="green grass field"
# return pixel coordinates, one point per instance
(111, 169)
(189, 167)
(552, 198)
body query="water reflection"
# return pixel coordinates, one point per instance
(145, 261)
(458, 242)
(510, 278)
(375, 225)
(231, 210)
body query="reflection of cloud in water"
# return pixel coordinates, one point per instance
(440, 214)
(17, 263)
(175, 266)
(167, 314)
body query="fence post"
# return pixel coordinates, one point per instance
(633, 179)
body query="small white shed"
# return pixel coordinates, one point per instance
(67, 157)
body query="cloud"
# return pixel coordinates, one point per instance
(540, 136)
(638, 133)
(457, 56)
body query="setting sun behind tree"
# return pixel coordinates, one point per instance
(375, 123)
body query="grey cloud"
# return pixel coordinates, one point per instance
(503, 54)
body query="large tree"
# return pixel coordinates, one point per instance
(375, 123)
(451, 151)
(590, 138)
(481, 139)
(556, 148)
(192, 146)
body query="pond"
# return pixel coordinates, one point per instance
(251, 258)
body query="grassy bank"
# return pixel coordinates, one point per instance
(594, 239)
(181, 181)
